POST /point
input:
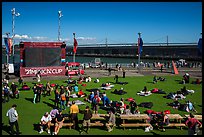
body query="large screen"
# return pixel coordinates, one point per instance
(42, 57)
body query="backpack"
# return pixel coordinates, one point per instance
(6, 91)
(94, 101)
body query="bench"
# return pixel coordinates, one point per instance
(176, 125)
(135, 125)
(96, 124)
(65, 125)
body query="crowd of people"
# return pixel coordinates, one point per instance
(62, 101)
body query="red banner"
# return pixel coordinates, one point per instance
(75, 45)
(10, 45)
(44, 71)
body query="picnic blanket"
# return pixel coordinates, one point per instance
(119, 92)
(73, 96)
(146, 104)
(174, 96)
(107, 87)
(78, 102)
(142, 93)
(93, 89)
(158, 91)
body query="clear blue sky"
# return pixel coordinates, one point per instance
(94, 21)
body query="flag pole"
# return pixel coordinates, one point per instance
(74, 52)
(139, 53)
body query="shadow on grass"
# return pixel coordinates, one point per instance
(52, 100)
(50, 105)
(29, 99)
(150, 82)
(5, 128)
(36, 127)
(153, 133)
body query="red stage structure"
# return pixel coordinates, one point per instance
(46, 57)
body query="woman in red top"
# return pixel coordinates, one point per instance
(192, 123)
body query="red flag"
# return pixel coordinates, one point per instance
(75, 45)
(10, 45)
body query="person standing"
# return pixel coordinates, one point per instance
(116, 79)
(192, 124)
(95, 102)
(13, 119)
(74, 110)
(62, 99)
(48, 89)
(13, 88)
(161, 67)
(67, 94)
(38, 76)
(6, 93)
(35, 91)
(20, 81)
(109, 71)
(57, 97)
(86, 119)
(39, 92)
(124, 73)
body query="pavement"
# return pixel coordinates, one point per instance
(97, 72)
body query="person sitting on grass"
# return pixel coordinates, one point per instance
(176, 104)
(154, 80)
(76, 88)
(58, 122)
(198, 81)
(161, 79)
(145, 90)
(183, 91)
(90, 97)
(105, 100)
(186, 78)
(45, 122)
(190, 106)
(96, 80)
(81, 94)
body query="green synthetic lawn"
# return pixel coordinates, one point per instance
(30, 114)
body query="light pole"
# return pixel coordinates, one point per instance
(59, 16)
(13, 27)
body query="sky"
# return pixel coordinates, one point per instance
(93, 22)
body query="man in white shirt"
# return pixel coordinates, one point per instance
(45, 122)
(13, 119)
